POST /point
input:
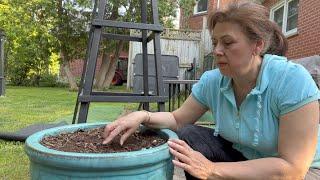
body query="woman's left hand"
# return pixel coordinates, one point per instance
(189, 160)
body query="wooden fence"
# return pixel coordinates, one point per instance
(189, 45)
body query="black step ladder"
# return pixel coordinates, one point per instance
(86, 95)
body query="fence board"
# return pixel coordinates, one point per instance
(186, 44)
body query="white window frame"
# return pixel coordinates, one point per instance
(195, 8)
(284, 3)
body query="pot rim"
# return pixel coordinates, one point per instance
(33, 141)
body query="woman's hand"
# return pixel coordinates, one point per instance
(189, 160)
(127, 124)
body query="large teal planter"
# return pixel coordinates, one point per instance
(49, 164)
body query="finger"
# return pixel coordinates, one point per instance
(181, 142)
(180, 156)
(113, 134)
(175, 158)
(108, 129)
(181, 165)
(178, 147)
(126, 135)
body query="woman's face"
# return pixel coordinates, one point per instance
(232, 49)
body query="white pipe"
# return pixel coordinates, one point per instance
(218, 5)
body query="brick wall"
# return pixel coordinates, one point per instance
(76, 67)
(307, 41)
(212, 5)
(196, 21)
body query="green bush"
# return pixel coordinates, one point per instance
(48, 80)
(44, 80)
(18, 76)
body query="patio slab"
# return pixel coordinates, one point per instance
(178, 174)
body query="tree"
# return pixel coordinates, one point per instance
(71, 32)
(111, 50)
(36, 29)
(29, 41)
(186, 7)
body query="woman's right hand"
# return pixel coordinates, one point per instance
(127, 124)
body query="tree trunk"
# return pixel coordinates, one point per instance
(63, 50)
(106, 60)
(71, 79)
(113, 65)
(101, 76)
(110, 73)
(66, 69)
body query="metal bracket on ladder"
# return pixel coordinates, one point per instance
(86, 95)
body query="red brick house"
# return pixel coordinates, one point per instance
(299, 20)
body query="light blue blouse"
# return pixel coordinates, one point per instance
(282, 87)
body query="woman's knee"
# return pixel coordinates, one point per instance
(185, 132)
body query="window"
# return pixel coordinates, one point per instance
(285, 15)
(201, 6)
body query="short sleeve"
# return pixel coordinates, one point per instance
(200, 90)
(295, 89)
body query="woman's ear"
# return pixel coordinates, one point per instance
(259, 46)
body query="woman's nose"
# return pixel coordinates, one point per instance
(218, 50)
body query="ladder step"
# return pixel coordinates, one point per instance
(128, 25)
(137, 99)
(121, 37)
(103, 93)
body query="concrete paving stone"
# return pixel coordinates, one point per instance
(178, 174)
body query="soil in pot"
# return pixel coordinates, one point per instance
(90, 141)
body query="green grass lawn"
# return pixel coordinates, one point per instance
(23, 106)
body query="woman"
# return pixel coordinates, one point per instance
(265, 107)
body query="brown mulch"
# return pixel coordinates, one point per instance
(90, 141)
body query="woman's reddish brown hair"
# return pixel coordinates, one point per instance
(255, 23)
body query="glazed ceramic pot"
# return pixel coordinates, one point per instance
(49, 164)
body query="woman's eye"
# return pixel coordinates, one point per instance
(227, 43)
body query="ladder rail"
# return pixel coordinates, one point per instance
(86, 95)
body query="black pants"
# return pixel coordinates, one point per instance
(216, 149)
